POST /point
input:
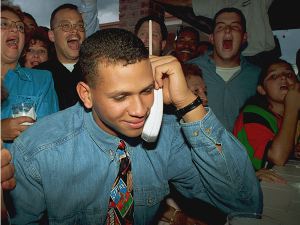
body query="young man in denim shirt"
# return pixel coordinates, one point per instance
(67, 163)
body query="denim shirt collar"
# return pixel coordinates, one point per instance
(20, 72)
(106, 142)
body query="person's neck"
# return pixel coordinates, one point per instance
(63, 60)
(277, 108)
(226, 63)
(5, 67)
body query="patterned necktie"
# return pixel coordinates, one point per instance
(120, 209)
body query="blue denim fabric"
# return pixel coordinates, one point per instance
(226, 98)
(89, 11)
(66, 164)
(24, 84)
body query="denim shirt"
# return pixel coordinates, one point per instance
(227, 98)
(24, 84)
(66, 164)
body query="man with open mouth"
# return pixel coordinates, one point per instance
(229, 77)
(67, 33)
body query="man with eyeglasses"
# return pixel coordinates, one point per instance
(67, 33)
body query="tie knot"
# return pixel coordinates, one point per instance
(122, 145)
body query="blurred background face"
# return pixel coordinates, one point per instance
(197, 86)
(67, 41)
(35, 54)
(30, 25)
(276, 84)
(228, 37)
(186, 46)
(12, 37)
(157, 43)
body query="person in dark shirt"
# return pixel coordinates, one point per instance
(67, 33)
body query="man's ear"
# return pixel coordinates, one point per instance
(51, 35)
(211, 39)
(163, 44)
(261, 90)
(245, 37)
(85, 95)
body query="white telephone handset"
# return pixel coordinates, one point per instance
(153, 122)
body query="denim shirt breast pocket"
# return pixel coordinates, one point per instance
(147, 201)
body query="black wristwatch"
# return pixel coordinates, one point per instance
(181, 112)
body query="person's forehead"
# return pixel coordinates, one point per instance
(36, 43)
(155, 26)
(228, 16)
(113, 73)
(10, 15)
(67, 14)
(187, 34)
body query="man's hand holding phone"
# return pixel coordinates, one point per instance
(169, 76)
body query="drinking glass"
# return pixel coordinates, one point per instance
(24, 109)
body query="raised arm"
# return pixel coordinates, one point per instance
(221, 162)
(89, 11)
(283, 142)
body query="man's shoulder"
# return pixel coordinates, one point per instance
(37, 75)
(48, 65)
(246, 65)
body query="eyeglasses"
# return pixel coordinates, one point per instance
(8, 24)
(67, 27)
(40, 52)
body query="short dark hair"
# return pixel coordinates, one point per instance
(231, 10)
(30, 16)
(191, 69)
(61, 7)
(160, 21)
(189, 29)
(109, 46)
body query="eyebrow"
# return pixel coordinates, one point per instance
(3, 17)
(116, 93)
(221, 22)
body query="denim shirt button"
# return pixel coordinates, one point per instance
(208, 130)
(111, 152)
(195, 133)
(150, 201)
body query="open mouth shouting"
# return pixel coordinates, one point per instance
(227, 44)
(74, 42)
(12, 42)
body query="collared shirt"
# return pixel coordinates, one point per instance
(69, 167)
(64, 81)
(24, 84)
(227, 97)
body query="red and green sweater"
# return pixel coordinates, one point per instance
(255, 128)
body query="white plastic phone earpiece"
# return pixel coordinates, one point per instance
(153, 122)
